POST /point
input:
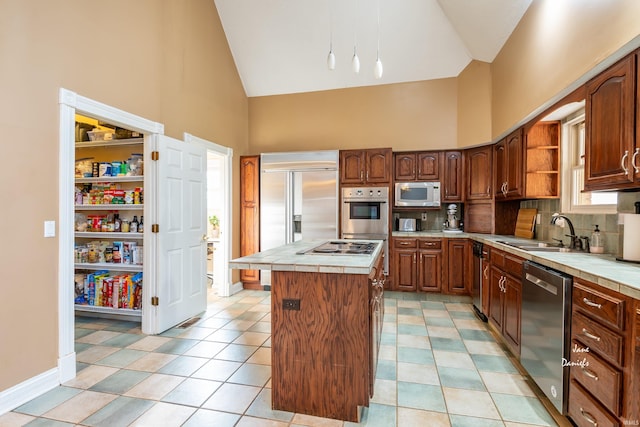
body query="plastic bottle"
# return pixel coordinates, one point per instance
(133, 227)
(596, 245)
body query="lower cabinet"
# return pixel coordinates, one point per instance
(459, 274)
(505, 297)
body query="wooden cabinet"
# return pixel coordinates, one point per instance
(459, 275)
(420, 166)
(602, 377)
(376, 317)
(542, 179)
(417, 264)
(508, 164)
(609, 127)
(478, 173)
(505, 297)
(429, 265)
(452, 188)
(365, 167)
(250, 216)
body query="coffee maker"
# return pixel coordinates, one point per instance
(452, 224)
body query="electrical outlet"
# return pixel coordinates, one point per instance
(291, 304)
(424, 216)
(539, 219)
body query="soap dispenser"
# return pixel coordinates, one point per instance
(596, 245)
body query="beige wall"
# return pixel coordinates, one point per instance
(164, 60)
(554, 45)
(407, 116)
(474, 104)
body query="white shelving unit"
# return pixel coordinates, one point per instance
(109, 151)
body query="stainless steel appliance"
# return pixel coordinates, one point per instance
(546, 322)
(407, 224)
(480, 267)
(298, 198)
(342, 247)
(365, 216)
(417, 194)
(452, 224)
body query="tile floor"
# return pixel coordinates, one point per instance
(439, 366)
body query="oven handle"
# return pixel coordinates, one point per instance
(365, 201)
(542, 283)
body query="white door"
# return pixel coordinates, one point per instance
(181, 213)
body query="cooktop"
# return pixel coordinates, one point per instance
(341, 247)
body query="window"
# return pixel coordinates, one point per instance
(574, 200)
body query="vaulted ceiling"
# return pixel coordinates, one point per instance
(281, 46)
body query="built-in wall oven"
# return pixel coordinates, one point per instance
(365, 215)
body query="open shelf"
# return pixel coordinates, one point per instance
(101, 179)
(108, 235)
(108, 310)
(95, 266)
(110, 143)
(109, 207)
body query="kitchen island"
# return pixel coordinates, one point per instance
(326, 323)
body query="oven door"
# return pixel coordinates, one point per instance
(365, 217)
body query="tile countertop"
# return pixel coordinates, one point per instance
(604, 270)
(286, 258)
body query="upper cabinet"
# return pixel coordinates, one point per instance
(421, 166)
(250, 216)
(452, 189)
(609, 120)
(479, 163)
(508, 160)
(543, 160)
(365, 167)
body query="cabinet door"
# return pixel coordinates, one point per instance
(430, 271)
(352, 165)
(609, 122)
(404, 276)
(496, 296)
(249, 214)
(458, 276)
(452, 177)
(500, 169)
(405, 166)
(478, 173)
(378, 166)
(514, 164)
(428, 166)
(512, 313)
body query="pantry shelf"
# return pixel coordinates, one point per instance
(110, 207)
(108, 235)
(95, 266)
(108, 310)
(111, 143)
(101, 179)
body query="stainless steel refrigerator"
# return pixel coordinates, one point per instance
(298, 198)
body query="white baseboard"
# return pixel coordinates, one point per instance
(28, 390)
(236, 287)
(67, 368)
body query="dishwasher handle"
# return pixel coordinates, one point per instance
(542, 283)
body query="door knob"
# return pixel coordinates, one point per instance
(205, 237)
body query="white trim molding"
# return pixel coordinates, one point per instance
(27, 390)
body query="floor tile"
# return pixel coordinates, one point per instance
(177, 346)
(183, 366)
(476, 335)
(234, 398)
(164, 414)
(239, 325)
(206, 417)
(248, 421)
(120, 412)
(421, 396)
(218, 370)
(151, 362)
(484, 347)
(192, 392)
(470, 402)
(386, 370)
(261, 408)
(439, 321)
(235, 352)
(447, 344)
(47, 401)
(415, 311)
(516, 384)
(250, 374)
(214, 322)
(416, 417)
(264, 327)
(430, 313)
(120, 382)
(44, 422)
(95, 353)
(464, 421)
(453, 359)
(14, 419)
(97, 337)
(262, 356)
(378, 416)
(155, 386)
(252, 338)
(123, 340)
(443, 332)
(206, 349)
(522, 409)
(310, 420)
(122, 358)
(80, 406)
(90, 376)
(224, 335)
(460, 378)
(412, 330)
(432, 305)
(385, 392)
(412, 341)
(488, 362)
(149, 343)
(422, 374)
(410, 320)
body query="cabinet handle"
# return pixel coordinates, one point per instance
(489, 189)
(590, 335)
(633, 160)
(361, 175)
(591, 303)
(404, 243)
(626, 154)
(367, 175)
(484, 273)
(587, 416)
(590, 373)
(414, 258)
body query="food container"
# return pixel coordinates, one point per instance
(100, 135)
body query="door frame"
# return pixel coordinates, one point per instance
(70, 104)
(226, 288)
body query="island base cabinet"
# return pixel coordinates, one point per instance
(320, 332)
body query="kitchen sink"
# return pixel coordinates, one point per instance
(537, 247)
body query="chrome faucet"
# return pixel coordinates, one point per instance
(576, 243)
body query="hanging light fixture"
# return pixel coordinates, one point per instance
(355, 61)
(331, 58)
(377, 69)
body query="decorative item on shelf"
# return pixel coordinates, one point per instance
(215, 226)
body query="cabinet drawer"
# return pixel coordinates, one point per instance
(513, 265)
(587, 412)
(429, 244)
(405, 243)
(606, 343)
(607, 308)
(497, 258)
(603, 381)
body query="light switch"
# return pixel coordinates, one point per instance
(49, 229)
(538, 219)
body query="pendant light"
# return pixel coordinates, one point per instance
(355, 61)
(331, 58)
(377, 69)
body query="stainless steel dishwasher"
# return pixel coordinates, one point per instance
(546, 327)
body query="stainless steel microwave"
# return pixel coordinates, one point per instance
(417, 194)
